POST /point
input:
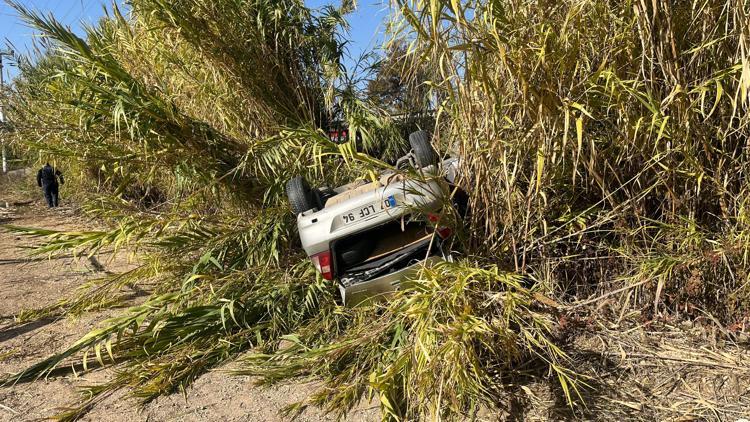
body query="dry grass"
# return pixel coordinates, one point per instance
(658, 371)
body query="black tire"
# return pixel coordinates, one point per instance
(301, 197)
(422, 148)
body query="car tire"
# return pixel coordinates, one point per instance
(422, 148)
(301, 197)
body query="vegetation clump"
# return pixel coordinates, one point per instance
(603, 147)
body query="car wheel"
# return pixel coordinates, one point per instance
(301, 197)
(422, 148)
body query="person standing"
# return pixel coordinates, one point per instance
(47, 179)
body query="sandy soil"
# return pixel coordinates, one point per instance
(32, 283)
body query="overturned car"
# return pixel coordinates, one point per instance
(368, 236)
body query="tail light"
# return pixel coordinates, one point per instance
(322, 262)
(444, 232)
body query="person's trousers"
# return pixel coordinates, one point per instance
(51, 194)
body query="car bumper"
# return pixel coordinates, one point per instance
(382, 287)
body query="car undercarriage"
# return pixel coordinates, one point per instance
(368, 236)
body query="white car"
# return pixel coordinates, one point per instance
(368, 236)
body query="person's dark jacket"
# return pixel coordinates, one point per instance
(48, 176)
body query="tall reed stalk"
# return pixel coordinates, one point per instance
(602, 145)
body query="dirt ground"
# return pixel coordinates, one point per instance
(32, 283)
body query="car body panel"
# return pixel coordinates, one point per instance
(362, 207)
(317, 229)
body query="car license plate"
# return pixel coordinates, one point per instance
(368, 211)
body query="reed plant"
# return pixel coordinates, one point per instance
(602, 146)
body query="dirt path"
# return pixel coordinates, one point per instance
(29, 284)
